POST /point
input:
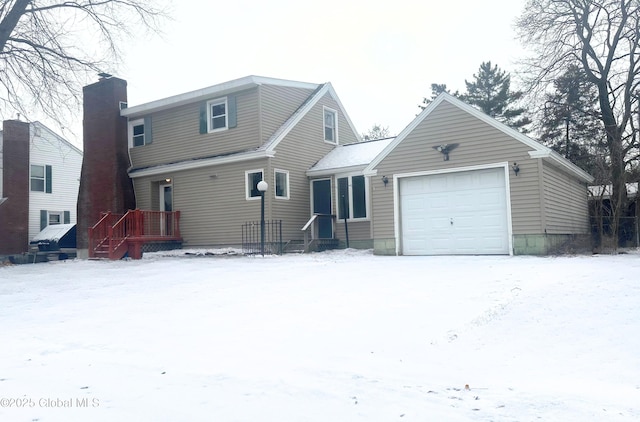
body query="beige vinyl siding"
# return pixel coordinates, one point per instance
(358, 230)
(211, 201)
(565, 203)
(296, 153)
(480, 144)
(278, 103)
(176, 134)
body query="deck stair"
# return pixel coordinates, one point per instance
(118, 235)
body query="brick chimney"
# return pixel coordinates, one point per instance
(104, 182)
(14, 212)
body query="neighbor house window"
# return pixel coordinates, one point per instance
(41, 178)
(55, 218)
(352, 197)
(282, 184)
(252, 177)
(217, 114)
(330, 126)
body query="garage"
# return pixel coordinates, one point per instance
(455, 213)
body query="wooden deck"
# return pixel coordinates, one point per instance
(117, 235)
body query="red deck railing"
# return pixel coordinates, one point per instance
(116, 234)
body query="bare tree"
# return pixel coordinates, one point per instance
(376, 132)
(49, 48)
(602, 37)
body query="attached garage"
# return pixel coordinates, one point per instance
(455, 213)
(466, 184)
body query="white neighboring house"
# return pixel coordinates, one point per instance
(54, 172)
(55, 179)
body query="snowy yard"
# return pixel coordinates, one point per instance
(336, 336)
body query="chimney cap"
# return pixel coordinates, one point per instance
(104, 75)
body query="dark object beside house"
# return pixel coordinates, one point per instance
(58, 238)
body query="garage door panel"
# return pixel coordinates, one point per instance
(474, 201)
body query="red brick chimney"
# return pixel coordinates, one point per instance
(14, 212)
(104, 182)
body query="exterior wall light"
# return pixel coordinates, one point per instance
(516, 168)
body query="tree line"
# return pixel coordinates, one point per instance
(580, 92)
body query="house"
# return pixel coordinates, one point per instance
(39, 183)
(202, 153)
(455, 181)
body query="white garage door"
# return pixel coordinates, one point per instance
(462, 213)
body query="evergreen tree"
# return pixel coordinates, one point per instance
(436, 89)
(490, 91)
(570, 120)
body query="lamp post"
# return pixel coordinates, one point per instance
(262, 187)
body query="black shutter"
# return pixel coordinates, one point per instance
(67, 217)
(44, 219)
(47, 178)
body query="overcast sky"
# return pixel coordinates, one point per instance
(380, 56)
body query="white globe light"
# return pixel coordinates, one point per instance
(262, 186)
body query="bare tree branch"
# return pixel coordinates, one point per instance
(49, 49)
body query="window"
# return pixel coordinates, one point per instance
(41, 178)
(55, 218)
(282, 184)
(352, 197)
(252, 177)
(140, 132)
(217, 114)
(330, 126)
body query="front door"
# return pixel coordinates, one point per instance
(322, 206)
(166, 204)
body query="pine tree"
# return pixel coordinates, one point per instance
(436, 89)
(490, 91)
(570, 121)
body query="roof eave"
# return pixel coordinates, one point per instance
(563, 163)
(218, 90)
(196, 164)
(336, 170)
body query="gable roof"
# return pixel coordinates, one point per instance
(538, 150)
(35, 126)
(304, 108)
(350, 157)
(211, 91)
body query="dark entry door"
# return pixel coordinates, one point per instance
(322, 206)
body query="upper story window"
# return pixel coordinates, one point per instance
(41, 178)
(251, 179)
(330, 126)
(217, 114)
(281, 179)
(140, 132)
(352, 197)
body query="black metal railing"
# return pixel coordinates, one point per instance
(252, 239)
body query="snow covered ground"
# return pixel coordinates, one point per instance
(335, 336)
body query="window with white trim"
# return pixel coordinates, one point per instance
(217, 116)
(251, 180)
(352, 197)
(281, 184)
(140, 132)
(330, 125)
(40, 178)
